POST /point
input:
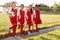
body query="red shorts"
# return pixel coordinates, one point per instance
(21, 21)
(37, 21)
(29, 22)
(13, 21)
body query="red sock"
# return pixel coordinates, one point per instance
(29, 27)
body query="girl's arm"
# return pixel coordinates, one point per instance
(34, 14)
(18, 15)
(25, 17)
(7, 11)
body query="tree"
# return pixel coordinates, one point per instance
(44, 7)
(54, 7)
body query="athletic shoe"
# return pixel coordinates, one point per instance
(29, 32)
(15, 36)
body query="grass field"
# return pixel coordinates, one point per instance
(48, 20)
(54, 35)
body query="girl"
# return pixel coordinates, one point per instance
(31, 9)
(13, 19)
(29, 19)
(37, 19)
(21, 18)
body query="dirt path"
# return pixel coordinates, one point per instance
(43, 31)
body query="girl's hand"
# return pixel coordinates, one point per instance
(18, 23)
(10, 16)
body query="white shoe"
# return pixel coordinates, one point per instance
(29, 32)
(9, 31)
(15, 36)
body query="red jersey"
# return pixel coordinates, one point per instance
(14, 19)
(29, 17)
(22, 15)
(37, 17)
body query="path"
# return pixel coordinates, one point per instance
(43, 31)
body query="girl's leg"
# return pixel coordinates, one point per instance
(18, 26)
(14, 30)
(36, 27)
(9, 29)
(29, 27)
(32, 26)
(18, 23)
(14, 25)
(21, 29)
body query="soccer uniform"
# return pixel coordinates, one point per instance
(13, 21)
(37, 19)
(21, 20)
(29, 19)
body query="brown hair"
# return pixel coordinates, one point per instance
(31, 9)
(22, 5)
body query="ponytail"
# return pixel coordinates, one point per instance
(31, 11)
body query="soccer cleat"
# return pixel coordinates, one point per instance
(16, 37)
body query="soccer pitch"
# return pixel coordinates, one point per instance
(48, 20)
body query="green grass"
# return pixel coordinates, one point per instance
(54, 35)
(48, 20)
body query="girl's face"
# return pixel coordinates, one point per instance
(22, 7)
(10, 4)
(36, 8)
(30, 7)
(13, 5)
